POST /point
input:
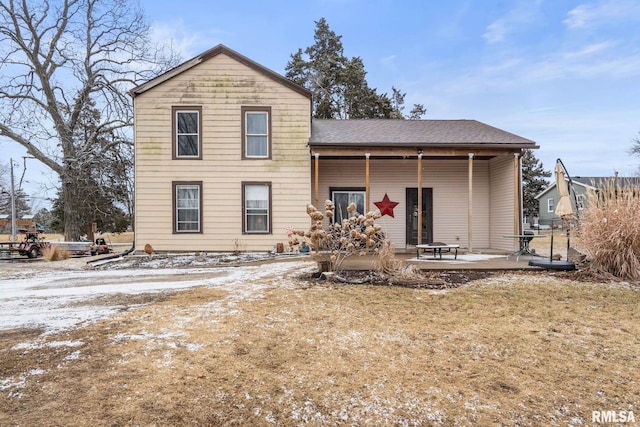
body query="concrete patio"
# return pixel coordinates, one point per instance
(465, 261)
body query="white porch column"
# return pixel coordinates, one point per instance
(420, 213)
(517, 196)
(470, 204)
(316, 180)
(366, 183)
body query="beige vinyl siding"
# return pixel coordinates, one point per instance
(221, 86)
(447, 178)
(502, 201)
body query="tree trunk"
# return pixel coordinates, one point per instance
(71, 214)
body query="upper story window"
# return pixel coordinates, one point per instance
(187, 132)
(256, 132)
(550, 205)
(581, 201)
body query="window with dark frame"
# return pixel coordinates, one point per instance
(187, 207)
(187, 137)
(343, 197)
(256, 207)
(256, 132)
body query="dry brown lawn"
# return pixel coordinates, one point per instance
(513, 349)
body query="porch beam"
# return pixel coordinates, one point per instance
(409, 152)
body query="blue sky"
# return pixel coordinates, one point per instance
(565, 74)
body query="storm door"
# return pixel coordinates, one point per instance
(412, 216)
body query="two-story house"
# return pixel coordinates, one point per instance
(228, 156)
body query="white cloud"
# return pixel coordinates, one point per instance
(522, 15)
(187, 42)
(390, 58)
(590, 50)
(608, 11)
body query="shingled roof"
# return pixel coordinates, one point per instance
(433, 133)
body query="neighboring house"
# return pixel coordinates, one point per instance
(579, 189)
(228, 157)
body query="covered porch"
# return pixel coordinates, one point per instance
(468, 194)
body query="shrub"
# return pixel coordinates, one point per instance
(609, 230)
(395, 269)
(337, 241)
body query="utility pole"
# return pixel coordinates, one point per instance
(13, 205)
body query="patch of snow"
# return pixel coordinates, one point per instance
(59, 300)
(73, 356)
(51, 344)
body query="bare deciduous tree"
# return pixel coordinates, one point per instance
(60, 58)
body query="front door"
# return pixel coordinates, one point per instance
(412, 216)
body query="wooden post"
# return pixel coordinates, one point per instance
(470, 204)
(317, 172)
(366, 183)
(420, 213)
(516, 197)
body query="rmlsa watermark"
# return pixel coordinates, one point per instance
(612, 417)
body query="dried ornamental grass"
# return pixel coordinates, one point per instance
(609, 231)
(54, 253)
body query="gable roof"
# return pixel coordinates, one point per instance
(397, 132)
(215, 51)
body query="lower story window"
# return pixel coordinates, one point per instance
(343, 197)
(187, 207)
(256, 197)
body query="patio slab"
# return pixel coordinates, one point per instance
(464, 261)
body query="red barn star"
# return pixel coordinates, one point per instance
(386, 206)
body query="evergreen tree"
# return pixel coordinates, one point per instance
(417, 112)
(533, 182)
(339, 85)
(21, 199)
(44, 218)
(21, 202)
